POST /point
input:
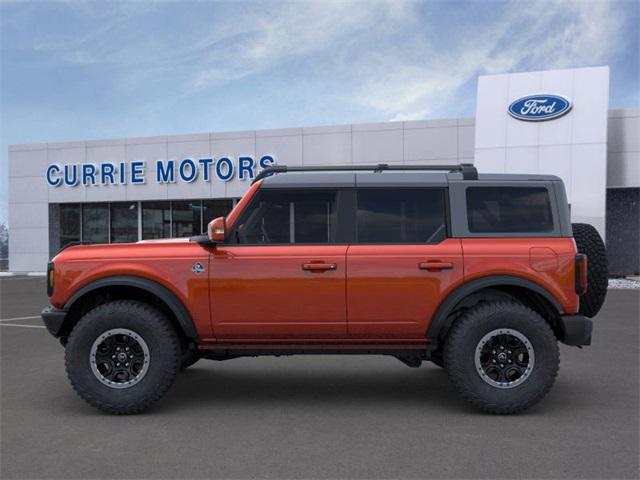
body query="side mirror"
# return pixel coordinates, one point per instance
(217, 230)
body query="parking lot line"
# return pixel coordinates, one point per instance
(20, 325)
(32, 317)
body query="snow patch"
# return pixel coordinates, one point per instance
(624, 283)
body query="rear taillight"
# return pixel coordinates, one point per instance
(581, 274)
(51, 273)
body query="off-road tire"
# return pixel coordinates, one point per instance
(590, 243)
(190, 356)
(164, 356)
(465, 336)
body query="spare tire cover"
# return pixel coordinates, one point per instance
(590, 243)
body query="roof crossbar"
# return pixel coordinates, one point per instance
(469, 171)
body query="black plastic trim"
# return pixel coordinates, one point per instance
(53, 318)
(203, 240)
(439, 323)
(221, 353)
(576, 330)
(163, 293)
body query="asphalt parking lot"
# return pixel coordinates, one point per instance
(317, 417)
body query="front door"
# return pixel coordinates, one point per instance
(401, 264)
(281, 274)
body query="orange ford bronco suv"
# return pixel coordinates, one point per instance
(480, 274)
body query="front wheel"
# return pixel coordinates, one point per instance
(502, 357)
(122, 356)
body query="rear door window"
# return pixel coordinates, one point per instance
(400, 216)
(509, 210)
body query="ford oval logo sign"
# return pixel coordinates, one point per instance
(536, 108)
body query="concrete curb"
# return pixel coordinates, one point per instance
(23, 274)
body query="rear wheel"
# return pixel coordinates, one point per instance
(589, 242)
(502, 357)
(122, 356)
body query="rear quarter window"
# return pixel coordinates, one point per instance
(509, 210)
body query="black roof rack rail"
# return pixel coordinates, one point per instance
(469, 171)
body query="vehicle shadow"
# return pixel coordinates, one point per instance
(426, 386)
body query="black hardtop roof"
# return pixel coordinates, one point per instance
(391, 176)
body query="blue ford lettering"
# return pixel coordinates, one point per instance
(535, 108)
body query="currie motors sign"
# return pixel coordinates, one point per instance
(536, 108)
(137, 172)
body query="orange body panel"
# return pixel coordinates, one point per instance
(265, 292)
(548, 262)
(371, 292)
(167, 262)
(390, 296)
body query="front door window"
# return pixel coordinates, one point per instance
(289, 217)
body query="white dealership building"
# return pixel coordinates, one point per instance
(129, 189)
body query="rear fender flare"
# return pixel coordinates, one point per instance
(441, 319)
(163, 293)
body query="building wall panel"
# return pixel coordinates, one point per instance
(561, 147)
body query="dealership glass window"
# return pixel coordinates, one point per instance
(186, 218)
(95, 222)
(400, 216)
(124, 222)
(509, 209)
(215, 208)
(156, 220)
(117, 222)
(289, 217)
(69, 223)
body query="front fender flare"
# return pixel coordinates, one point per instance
(163, 293)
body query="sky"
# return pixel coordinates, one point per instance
(86, 70)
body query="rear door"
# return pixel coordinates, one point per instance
(401, 263)
(282, 274)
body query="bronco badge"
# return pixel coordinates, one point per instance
(197, 268)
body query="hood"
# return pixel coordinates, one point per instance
(145, 248)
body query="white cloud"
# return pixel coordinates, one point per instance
(294, 30)
(231, 41)
(391, 56)
(529, 36)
